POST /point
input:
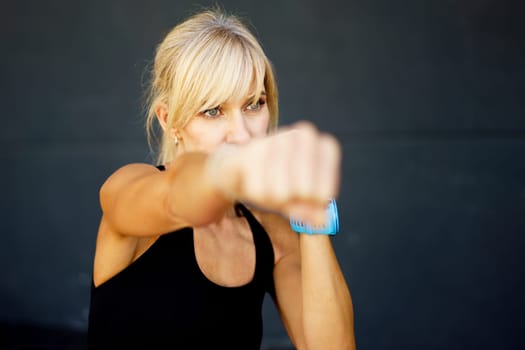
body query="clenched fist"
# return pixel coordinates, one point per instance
(294, 171)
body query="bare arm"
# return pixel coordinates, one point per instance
(311, 293)
(328, 317)
(140, 200)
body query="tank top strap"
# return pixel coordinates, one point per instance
(263, 247)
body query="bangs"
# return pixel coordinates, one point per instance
(222, 70)
(236, 75)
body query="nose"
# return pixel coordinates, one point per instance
(237, 129)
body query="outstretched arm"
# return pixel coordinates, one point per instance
(197, 188)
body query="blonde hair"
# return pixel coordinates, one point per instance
(204, 61)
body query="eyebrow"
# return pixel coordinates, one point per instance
(250, 98)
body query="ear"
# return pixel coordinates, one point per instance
(162, 115)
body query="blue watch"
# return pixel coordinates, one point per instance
(331, 227)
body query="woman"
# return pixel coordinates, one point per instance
(187, 250)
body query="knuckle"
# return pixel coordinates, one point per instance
(331, 146)
(305, 125)
(305, 130)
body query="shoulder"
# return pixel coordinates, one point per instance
(124, 176)
(129, 172)
(284, 240)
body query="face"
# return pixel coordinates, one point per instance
(233, 122)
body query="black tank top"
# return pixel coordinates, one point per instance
(164, 301)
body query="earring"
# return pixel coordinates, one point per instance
(176, 140)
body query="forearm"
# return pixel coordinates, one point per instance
(327, 305)
(192, 194)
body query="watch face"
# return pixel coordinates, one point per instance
(331, 227)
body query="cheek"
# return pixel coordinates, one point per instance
(259, 126)
(201, 135)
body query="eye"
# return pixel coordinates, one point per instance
(257, 105)
(212, 112)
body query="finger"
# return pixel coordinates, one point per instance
(278, 175)
(304, 144)
(254, 161)
(328, 177)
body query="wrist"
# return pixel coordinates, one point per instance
(218, 170)
(330, 226)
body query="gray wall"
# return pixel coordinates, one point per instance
(425, 96)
